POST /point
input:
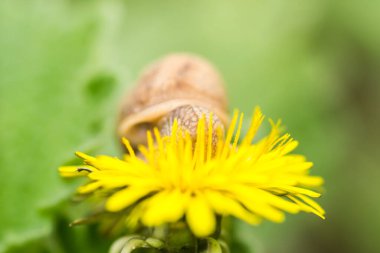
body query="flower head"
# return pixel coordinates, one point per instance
(175, 178)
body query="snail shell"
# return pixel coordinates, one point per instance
(188, 117)
(176, 80)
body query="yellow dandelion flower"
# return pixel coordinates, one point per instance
(176, 178)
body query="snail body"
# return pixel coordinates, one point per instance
(174, 82)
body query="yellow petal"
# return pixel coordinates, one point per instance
(90, 187)
(127, 144)
(310, 180)
(312, 203)
(289, 147)
(75, 171)
(165, 207)
(264, 210)
(132, 220)
(230, 132)
(256, 121)
(85, 157)
(294, 190)
(306, 207)
(200, 217)
(238, 131)
(257, 203)
(227, 206)
(126, 197)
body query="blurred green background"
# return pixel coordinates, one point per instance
(64, 65)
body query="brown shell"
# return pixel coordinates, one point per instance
(174, 81)
(187, 117)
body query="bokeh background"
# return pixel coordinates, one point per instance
(65, 64)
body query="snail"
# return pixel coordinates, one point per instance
(179, 86)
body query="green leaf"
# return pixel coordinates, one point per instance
(50, 105)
